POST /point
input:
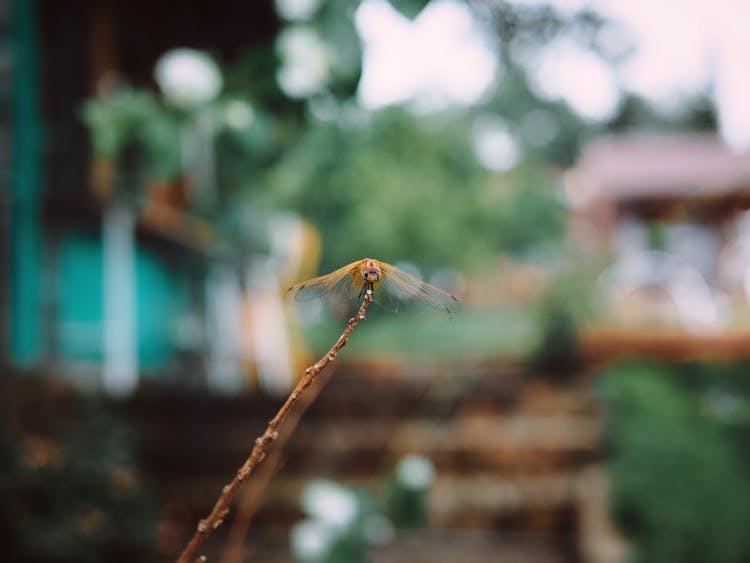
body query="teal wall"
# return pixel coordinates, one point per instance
(80, 298)
(25, 346)
(74, 308)
(163, 295)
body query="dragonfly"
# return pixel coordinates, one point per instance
(392, 288)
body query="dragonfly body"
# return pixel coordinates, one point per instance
(392, 287)
(370, 271)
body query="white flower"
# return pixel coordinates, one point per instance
(238, 114)
(305, 61)
(188, 77)
(415, 472)
(494, 146)
(331, 504)
(378, 530)
(298, 10)
(310, 540)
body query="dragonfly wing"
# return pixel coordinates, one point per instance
(400, 291)
(338, 284)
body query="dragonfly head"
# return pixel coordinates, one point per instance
(371, 272)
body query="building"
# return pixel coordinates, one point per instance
(671, 210)
(107, 276)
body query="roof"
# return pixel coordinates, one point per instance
(640, 166)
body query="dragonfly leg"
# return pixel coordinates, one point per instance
(365, 287)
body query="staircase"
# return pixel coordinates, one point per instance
(513, 457)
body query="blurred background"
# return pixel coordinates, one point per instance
(576, 172)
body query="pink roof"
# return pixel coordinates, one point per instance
(664, 166)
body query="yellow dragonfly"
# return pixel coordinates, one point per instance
(392, 288)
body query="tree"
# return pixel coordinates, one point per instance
(402, 187)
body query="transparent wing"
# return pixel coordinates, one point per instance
(399, 291)
(339, 284)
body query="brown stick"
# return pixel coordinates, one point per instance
(250, 498)
(221, 508)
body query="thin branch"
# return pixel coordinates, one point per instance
(258, 453)
(252, 494)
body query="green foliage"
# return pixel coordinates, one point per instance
(680, 479)
(697, 114)
(243, 152)
(252, 77)
(496, 333)
(342, 522)
(72, 495)
(529, 213)
(557, 351)
(656, 235)
(525, 27)
(136, 118)
(409, 8)
(568, 302)
(399, 187)
(335, 23)
(159, 135)
(408, 502)
(548, 130)
(393, 187)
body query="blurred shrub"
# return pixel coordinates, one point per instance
(343, 522)
(679, 460)
(339, 524)
(136, 118)
(407, 492)
(70, 492)
(557, 351)
(397, 186)
(529, 213)
(569, 301)
(409, 8)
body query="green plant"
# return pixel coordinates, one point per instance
(679, 471)
(71, 491)
(343, 522)
(136, 118)
(568, 303)
(395, 185)
(407, 492)
(557, 350)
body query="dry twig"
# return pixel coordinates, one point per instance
(250, 499)
(258, 453)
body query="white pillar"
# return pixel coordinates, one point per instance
(269, 337)
(120, 339)
(224, 327)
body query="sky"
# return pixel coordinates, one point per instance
(439, 58)
(442, 58)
